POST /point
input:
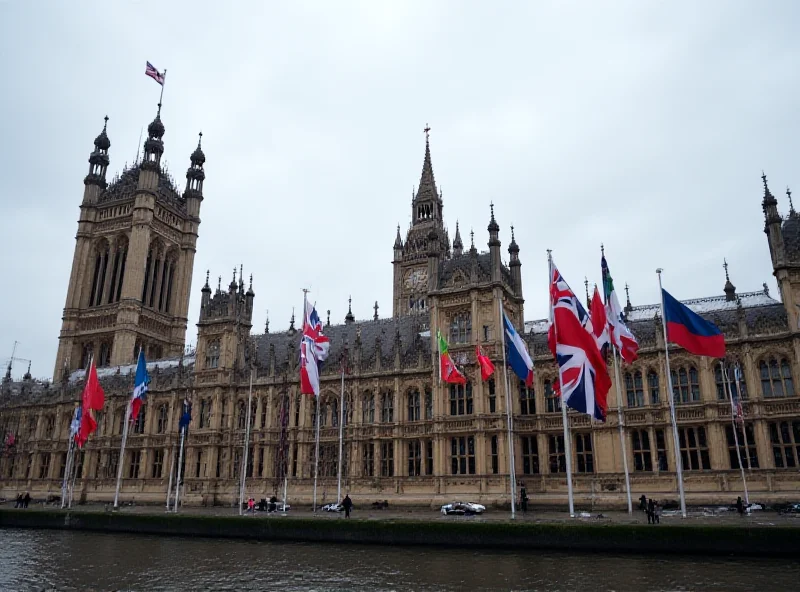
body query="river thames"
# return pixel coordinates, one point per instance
(56, 560)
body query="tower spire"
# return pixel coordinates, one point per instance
(458, 246)
(349, 318)
(426, 191)
(730, 289)
(791, 205)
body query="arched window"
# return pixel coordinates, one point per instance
(241, 415)
(461, 328)
(634, 388)
(551, 398)
(101, 271)
(726, 378)
(105, 355)
(387, 407)
(86, 354)
(347, 416)
(776, 378)
(414, 405)
(205, 413)
(685, 385)
(368, 408)
(334, 413)
(461, 399)
(527, 399)
(120, 415)
(653, 386)
(212, 355)
(161, 425)
(428, 403)
(323, 414)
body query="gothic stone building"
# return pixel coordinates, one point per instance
(408, 438)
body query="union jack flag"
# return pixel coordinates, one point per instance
(312, 329)
(151, 71)
(583, 373)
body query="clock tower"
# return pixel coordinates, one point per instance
(411, 256)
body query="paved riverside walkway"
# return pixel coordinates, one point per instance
(709, 515)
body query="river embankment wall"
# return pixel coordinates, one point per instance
(745, 541)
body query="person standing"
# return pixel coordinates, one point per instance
(347, 503)
(740, 506)
(643, 503)
(26, 500)
(651, 512)
(656, 513)
(523, 498)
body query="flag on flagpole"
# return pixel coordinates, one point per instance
(186, 414)
(487, 367)
(75, 425)
(92, 400)
(151, 71)
(600, 324)
(736, 395)
(689, 330)
(314, 349)
(517, 354)
(140, 386)
(312, 328)
(447, 367)
(583, 373)
(621, 337)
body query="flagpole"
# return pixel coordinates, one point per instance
(122, 452)
(246, 445)
(341, 438)
(737, 373)
(512, 478)
(316, 456)
(727, 384)
(564, 420)
(671, 397)
(163, 84)
(621, 424)
(67, 466)
(178, 471)
(171, 469)
(74, 471)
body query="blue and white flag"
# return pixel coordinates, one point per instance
(140, 386)
(517, 354)
(75, 425)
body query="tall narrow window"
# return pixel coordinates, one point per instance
(785, 438)
(686, 385)
(634, 389)
(413, 405)
(652, 385)
(212, 354)
(694, 449)
(387, 459)
(776, 378)
(241, 415)
(557, 459)
(640, 442)
(133, 467)
(462, 455)
(414, 458)
(147, 269)
(461, 328)
(368, 408)
(530, 455)
(461, 399)
(749, 453)
(494, 456)
(661, 451)
(368, 458)
(158, 463)
(527, 399)
(387, 407)
(428, 403)
(138, 422)
(583, 453)
(429, 457)
(492, 396)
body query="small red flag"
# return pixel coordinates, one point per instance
(93, 398)
(487, 368)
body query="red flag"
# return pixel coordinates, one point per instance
(93, 398)
(487, 368)
(447, 367)
(600, 324)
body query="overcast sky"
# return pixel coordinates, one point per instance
(642, 125)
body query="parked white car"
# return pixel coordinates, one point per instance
(334, 507)
(463, 509)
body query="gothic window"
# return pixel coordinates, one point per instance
(133, 467)
(387, 407)
(640, 442)
(205, 413)
(661, 451)
(462, 455)
(50, 426)
(785, 438)
(138, 421)
(685, 385)
(429, 457)
(155, 352)
(694, 449)
(652, 385)
(368, 408)
(747, 446)
(368, 460)
(119, 272)
(776, 378)
(527, 399)
(583, 453)
(461, 399)
(101, 271)
(461, 328)
(634, 389)
(557, 458)
(493, 456)
(158, 463)
(323, 414)
(347, 416)
(161, 423)
(241, 415)
(414, 458)
(530, 454)
(212, 355)
(428, 403)
(492, 396)
(387, 459)
(334, 405)
(413, 406)
(728, 380)
(44, 467)
(551, 398)
(105, 355)
(86, 354)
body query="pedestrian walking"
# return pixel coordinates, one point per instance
(656, 513)
(19, 501)
(347, 503)
(740, 506)
(523, 499)
(26, 500)
(651, 512)
(643, 503)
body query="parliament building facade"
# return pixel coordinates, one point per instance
(408, 438)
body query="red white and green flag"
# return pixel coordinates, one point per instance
(448, 370)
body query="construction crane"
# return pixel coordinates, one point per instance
(13, 359)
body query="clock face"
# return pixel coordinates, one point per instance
(416, 278)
